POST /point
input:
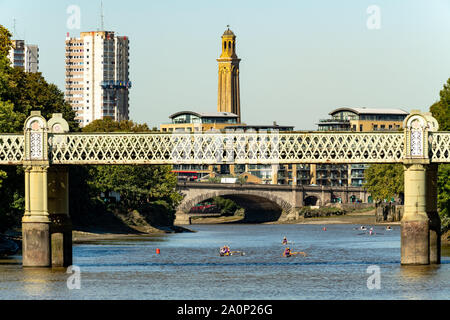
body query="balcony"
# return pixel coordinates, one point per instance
(334, 125)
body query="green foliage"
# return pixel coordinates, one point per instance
(12, 200)
(309, 212)
(226, 206)
(444, 195)
(142, 188)
(218, 179)
(441, 111)
(3, 176)
(384, 181)
(20, 93)
(137, 185)
(5, 41)
(109, 125)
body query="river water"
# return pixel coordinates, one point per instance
(341, 263)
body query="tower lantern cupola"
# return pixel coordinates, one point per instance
(228, 44)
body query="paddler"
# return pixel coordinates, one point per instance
(225, 251)
(284, 241)
(287, 252)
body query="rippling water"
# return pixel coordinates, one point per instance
(189, 267)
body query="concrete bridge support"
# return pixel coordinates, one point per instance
(36, 247)
(46, 227)
(420, 225)
(414, 224)
(433, 216)
(58, 206)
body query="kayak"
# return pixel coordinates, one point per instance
(294, 253)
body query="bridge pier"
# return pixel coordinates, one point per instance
(181, 218)
(433, 215)
(421, 224)
(414, 223)
(36, 246)
(61, 226)
(46, 227)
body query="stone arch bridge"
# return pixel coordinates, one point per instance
(263, 202)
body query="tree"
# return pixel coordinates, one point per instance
(20, 93)
(384, 181)
(139, 186)
(5, 41)
(441, 111)
(441, 108)
(226, 206)
(109, 125)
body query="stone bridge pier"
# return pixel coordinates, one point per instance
(46, 226)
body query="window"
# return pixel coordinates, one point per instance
(360, 127)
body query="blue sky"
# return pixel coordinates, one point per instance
(300, 59)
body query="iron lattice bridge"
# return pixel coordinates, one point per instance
(46, 227)
(65, 148)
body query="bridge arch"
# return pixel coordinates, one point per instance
(312, 200)
(259, 206)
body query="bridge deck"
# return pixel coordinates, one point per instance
(226, 148)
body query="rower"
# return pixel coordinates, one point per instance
(225, 251)
(284, 241)
(287, 252)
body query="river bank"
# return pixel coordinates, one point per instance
(356, 217)
(79, 236)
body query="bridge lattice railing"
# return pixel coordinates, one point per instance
(242, 148)
(238, 148)
(439, 146)
(11, 148)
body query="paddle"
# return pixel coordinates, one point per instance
(241, 252)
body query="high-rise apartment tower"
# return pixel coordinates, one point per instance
(25, 56)
(97, 76)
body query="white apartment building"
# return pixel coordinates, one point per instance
(25, 56)
(97, 76)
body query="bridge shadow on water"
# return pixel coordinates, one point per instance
(257, 209)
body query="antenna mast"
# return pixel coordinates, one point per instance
(101, 16)
(14, 27)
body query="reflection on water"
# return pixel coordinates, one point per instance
(189, 267)
(418, 273)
